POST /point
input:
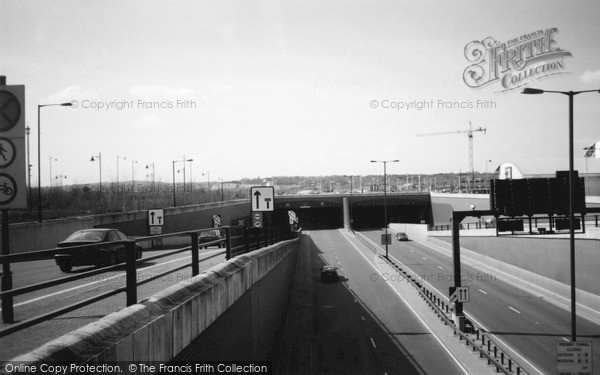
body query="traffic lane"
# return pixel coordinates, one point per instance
(343, 330)
(29, 273)
(30, 338)
(48, 299)
(363, 321)
(525, 322)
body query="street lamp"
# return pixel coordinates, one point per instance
(39, 154)
(570, 94)
(99, 157)
(487, 182)
(174, 187)
(132, 175)
(385, 199)
(119, 157)
(153, 175)
(50, 166)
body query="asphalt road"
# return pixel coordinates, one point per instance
(525, 322)
(357, 325)
(39, 302)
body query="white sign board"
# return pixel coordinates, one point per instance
(262, 198)
(574, 358)
(461, 294)
(156, 217)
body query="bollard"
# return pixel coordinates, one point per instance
(130, 273)
(502, 358)
(228, 243)
(510, 364)
(195, 258)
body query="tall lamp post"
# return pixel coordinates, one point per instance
(99, 157)
(385, 223)
(487, 182)
(39, 154)
(570, 94)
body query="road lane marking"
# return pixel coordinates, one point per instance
(424, 258)
(373, 343)
(470, 316)
(117, 276)
(482, 291)
(435, 336)
(440, 267)
(513, 309)
(566, 339)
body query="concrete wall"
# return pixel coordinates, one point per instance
(250, 288)
(442, 206)
(38, 236)
(33, 236)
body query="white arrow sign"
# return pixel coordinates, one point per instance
(156, 217)
(262, 198)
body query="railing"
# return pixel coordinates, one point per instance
(537, 221)
(488, 349)
(238, 240)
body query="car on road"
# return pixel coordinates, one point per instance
(329, 273)
(210, 236)
(401, 236)
(110, 254)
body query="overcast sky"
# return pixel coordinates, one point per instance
(263, 88)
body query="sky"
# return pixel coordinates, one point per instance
(271, 88)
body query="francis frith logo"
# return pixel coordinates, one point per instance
(516, 62)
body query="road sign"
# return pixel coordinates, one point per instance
(13, 187)
(460, 294)
(386, 239)
(257, 220)
(574, 357)
(216, 221)
(156, 217)
(293, 217)
(262, 198)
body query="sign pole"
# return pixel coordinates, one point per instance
(6, 283)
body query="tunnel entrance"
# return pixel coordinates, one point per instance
(365, 210)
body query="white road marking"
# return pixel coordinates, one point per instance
(424, 258)
(482, 291)
(566, 339)
(411, 309)
(117, 277)
(513, 309)
(481, 325)
(440, 267)
(373, 343)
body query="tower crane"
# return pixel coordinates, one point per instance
(469, 133)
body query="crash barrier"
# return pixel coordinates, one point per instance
(489, 350)
(160, 329)
(243, 240)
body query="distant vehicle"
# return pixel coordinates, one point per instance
(211, 235)
(99, 256)
(329, 273)
(401, 236)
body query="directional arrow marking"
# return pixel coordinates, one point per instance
(257, 195)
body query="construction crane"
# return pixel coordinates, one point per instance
(469, 132)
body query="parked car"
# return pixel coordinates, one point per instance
(211, 235)
(401, 236)
(329, 273)
(111, 254)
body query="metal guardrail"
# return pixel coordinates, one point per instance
(588, 220)
(488, 349)
(238, 240)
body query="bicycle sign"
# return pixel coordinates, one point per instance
(8, 188)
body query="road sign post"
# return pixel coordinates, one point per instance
(156, 220)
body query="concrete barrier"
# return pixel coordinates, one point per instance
(160, 328)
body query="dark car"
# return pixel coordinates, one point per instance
(329, 273)
(98, 256)
(401, 236)
(210, 236)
